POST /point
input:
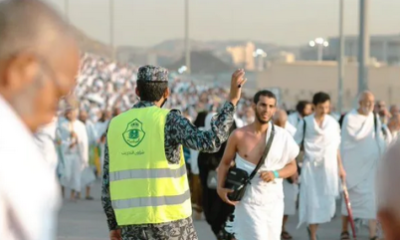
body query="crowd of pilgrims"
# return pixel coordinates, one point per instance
(105, 89)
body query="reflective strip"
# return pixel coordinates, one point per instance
(151, 201)
(148, 173)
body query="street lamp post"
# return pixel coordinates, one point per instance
(187, 43)
(112, 45)
(363, 47)
(341, 57)
(320, 43)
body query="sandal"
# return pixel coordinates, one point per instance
(286, 235)
(345, 236)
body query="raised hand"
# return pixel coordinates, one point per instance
(237, 82)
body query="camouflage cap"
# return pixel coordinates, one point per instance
(152, 74)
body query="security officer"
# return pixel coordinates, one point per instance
(145, 189)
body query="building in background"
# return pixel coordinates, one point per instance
(383, 48)
(243, 55)
(300, 80)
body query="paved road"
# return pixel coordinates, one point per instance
(85, 220)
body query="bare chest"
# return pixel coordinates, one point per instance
(251, 148)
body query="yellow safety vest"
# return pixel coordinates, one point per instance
(144, 187)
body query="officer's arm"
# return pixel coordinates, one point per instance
(181, 131)
(105, 196)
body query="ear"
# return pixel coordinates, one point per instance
(253, 106)
(166, 94)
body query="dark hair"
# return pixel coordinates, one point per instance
(263, 93)
(151, 90)
(200, 119)
(301, 105)
(320, 97)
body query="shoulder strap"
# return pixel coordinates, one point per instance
(376, 123)
(265, 154)
(304, 134)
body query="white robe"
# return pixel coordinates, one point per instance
(361, 149)
(88, 175)
(259, 215)
(101, 128)
(319, 176)
(294, 119)
(290, 190)
(76, 158)
(45, 138)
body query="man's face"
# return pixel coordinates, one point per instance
(35, 83)
(280, 118)
(367, 103)
(264, 109)
(394, 110)
(83, 116)
(71, 115)
(307, 110)
(381, 107)
(323, 108)
(61, 73)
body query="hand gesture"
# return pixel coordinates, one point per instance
(237, 83)
(223, 194)
(267, 176)
(115, 234)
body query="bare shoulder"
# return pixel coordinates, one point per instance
(240, 132)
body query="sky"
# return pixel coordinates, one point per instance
(286, 22)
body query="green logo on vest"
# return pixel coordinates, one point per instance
(134, 133)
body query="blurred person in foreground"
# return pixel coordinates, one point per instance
(259, 214)
(319, 135)
(388, 192)
(39, 60)
(361, 148)
(145, 186)
(290, 185)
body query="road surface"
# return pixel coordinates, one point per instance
(85, 220)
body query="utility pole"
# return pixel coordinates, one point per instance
(363, 47)
(187, 41)
(341, 57)
(112, 44)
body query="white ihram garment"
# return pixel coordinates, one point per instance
(29, 193)
(319, 175)
(88, 176)
(360, 150)
(75, 158)
(290, 190)
(45, 138)
(101, 128)
(259, 215)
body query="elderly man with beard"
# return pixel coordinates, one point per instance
(259, 214)
(361, 147)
